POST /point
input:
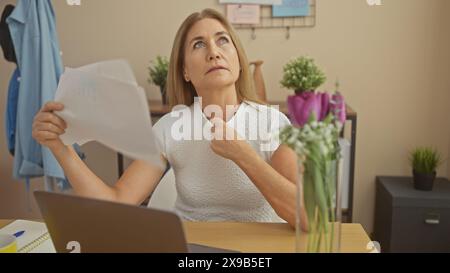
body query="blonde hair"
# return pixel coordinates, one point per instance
(181, 92)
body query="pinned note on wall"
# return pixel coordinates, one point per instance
(243, 14)
(291, 8)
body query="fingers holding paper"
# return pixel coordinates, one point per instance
(48, 126)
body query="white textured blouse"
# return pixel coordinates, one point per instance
(209, 187)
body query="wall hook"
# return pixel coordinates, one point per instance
(288, 33)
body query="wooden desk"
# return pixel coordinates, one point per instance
(261, 237)
(265, 238)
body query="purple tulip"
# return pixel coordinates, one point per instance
(338, 108)
(302, 105)
(295, 102)
(325, 104)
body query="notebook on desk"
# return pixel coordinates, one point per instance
(35, 237)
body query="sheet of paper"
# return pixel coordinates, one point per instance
(104, 103)
(115, 69)
(291, 8)
(256, 2)
(244, 14)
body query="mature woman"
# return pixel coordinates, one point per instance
(221, 177)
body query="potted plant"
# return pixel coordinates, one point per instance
(424, 161)
(302, 75)
(158, 75)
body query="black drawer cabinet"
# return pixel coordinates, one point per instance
(407, 220)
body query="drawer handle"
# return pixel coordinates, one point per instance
(432, 221)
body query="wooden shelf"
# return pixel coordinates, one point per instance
(284, 109)
(157, 109)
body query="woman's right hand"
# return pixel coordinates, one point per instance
(47, 126)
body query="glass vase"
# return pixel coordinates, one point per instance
(319, 213)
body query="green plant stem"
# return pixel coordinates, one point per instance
(314, 233)
(321, 232)
(325, 235)
(331, 183)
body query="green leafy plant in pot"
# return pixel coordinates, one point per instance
(424, 161)
(302, 75)
(158, 75)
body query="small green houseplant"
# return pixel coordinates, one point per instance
(424, 161)
(158, 75)
(302, 75)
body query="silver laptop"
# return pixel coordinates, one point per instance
(97, 226)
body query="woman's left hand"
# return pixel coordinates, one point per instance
(227, 143)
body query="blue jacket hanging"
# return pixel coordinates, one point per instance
(33, 30)
(11, 110)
